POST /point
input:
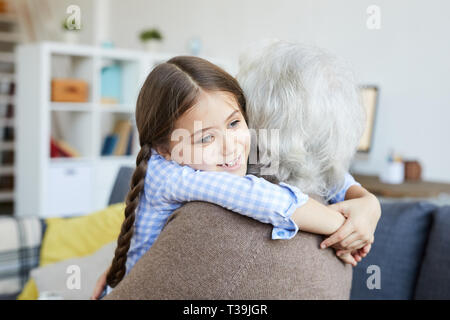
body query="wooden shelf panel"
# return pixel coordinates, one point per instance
(6, 169)
(7, 122)
(10, 37)
(414, 189)
(8, 17)
(6, 145)
(120, 108)
(6, 195)
(71, 106)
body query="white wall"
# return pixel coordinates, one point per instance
(56, 9)
(408, 57)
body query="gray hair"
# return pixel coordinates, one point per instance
(311, 97)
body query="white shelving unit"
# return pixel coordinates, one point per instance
(55, 187)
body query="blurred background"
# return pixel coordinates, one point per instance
(70, 71)
(398, 51)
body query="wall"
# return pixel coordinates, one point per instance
(408, 57)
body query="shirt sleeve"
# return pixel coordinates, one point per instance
(340, 195)
(251, 196)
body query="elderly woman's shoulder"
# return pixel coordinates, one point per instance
(208, 252)
(197, 216)
(298, 269)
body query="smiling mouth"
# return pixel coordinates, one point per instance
(236, 163)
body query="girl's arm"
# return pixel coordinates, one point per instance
(343, 193)
(249, 195)
(314, 217)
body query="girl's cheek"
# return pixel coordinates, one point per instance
(201, 156)
(244, 138)
(210, 154)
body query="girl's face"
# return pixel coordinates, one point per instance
(212, 135)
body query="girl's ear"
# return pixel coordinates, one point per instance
(163, 151)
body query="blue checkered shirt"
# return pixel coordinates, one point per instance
(340, 195)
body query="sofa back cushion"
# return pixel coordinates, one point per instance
(434, 279)
(396, 255)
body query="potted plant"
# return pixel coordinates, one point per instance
(151, 39)
(70, 34)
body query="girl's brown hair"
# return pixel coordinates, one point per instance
(169, 91)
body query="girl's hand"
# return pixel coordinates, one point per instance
(99, 286)
(348, 258)
(355, 256)
(362, 217)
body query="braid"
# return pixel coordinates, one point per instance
(118, 268)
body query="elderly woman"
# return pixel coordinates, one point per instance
(207, 252)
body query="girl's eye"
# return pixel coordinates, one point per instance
(206, 139)
(234, 123)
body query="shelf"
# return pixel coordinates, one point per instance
(6, 195)
(5, 98)
(411, 189)
(7, 122)
(119, 108)
(5, 146)
(6, 57)
(71, 106)
(86, 106)
(74, 127)
(64, 66)
(10, 36)
(8, 169)
(73, 50)
(101, 160)
(7, 76)
(117, 158)
(119, 54)
(8, 17)
(69, 161)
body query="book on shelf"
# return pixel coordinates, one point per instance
(60, 148)
(109, 144)
(8, 134)
(129, 150)
(7, 182)
(7, 157)
(120, 142)
(122, 129)
(111, 83)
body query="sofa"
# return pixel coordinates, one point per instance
(410, 258)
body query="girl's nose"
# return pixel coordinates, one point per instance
(229, 145)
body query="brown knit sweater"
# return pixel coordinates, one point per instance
(208, 252)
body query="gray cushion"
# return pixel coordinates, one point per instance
(400, 240)
(51, 280)
(434, 278)
(121, 185)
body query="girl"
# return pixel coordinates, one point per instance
(177, 155)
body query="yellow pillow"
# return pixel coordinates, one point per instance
(67, 238)
(29, 292)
